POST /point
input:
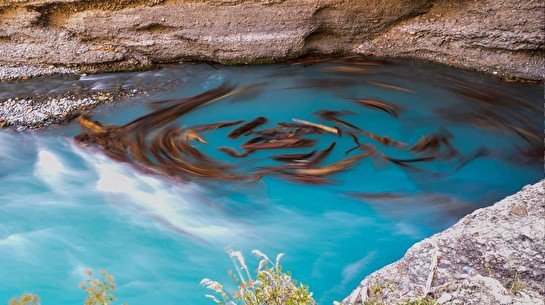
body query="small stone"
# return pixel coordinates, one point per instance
(519, 210)
(445, 297)
(41, 115)
(102, 98)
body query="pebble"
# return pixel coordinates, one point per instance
(519, 210)
(445, 297)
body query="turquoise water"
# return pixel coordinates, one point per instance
(65, 208)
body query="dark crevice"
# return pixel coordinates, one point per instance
(156, 28)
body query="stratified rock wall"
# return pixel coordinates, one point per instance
(495, 36)
(125, 34)
(493, 256)
(101, 35)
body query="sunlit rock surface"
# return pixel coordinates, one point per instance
(493, 256)
(499, 36)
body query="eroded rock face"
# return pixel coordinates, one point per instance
(125, 34)
(495, 255)
(101, 35)
(502, 36)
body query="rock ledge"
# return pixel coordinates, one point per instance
(494, 256)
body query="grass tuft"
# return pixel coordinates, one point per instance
(100, 290)
(268, 285)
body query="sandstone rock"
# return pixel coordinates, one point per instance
(501, 37)
(132, 34)
(95, 35)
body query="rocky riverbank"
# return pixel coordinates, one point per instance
(36, 113)
(33, 104)
(495, 36)
(26, 72)
(493, 256)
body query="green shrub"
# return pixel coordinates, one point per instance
(421, 301)
(271, 285)
(99, 291)
(25, 299)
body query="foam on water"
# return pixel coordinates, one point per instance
(66, 208)
(166, 204)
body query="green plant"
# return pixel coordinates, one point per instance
(376, 289)
(271, 285)
(421, 301)
(516, 285)
(25, 299)
(99, 291)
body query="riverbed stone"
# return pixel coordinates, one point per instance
(491, 256)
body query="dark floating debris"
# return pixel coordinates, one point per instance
(432, 144)
(332, 168)
(333, 116)
(496, 111)
(155, 144)
(235, 154)
(390, 108)
(293, 157)
(247, 128)
(280, 144)
(384, 140)
(390, 86)
(213, 126)
(325, 84)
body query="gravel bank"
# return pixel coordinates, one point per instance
(32, 114)
(25, 72)
(36, 103)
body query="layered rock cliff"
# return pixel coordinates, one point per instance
(101, 35)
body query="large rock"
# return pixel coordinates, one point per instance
(100, 35)
(493, 256)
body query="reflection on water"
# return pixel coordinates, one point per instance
(437, 144)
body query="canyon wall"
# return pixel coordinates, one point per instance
(496, 36)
